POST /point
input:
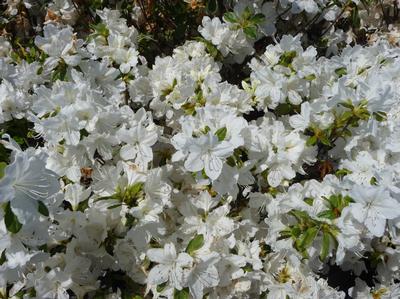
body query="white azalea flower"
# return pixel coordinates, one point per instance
(59, 43)
(373, 206)
(26, 178)
(170, 266)
(208, 153)
(204, 275)
(75, 194)
(301, 121)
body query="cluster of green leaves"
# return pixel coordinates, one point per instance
(238, 158)
(129, 195)
(349, 118)
(27, 51)
(305, 231)
(247, 21)
(169, 23)
(336, 204)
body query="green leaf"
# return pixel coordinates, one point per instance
(346, 116)
(341, 71)
(83, 205)
(324, 140)
(373, 181)
(325, 246)
(11, 220)
(181, 294)
(231, 17)
(380, 115)
(101, 29)
(310, 77)
(328, 214)
(248, 268)
(130, 220)
(346, 132)
(287, 58)
(211, 49)
(250, 31)
(348, 104)
(19, 139)
(3, 258)
(169, 89)
(204, 174)
(212, 6)
(257, 18)
(246, 13)
(42, 208)
(196, 243)
(296, 231)
(161, 287)
(308, 237)
(206, 130)
(14, 56)
(59, 72)
(355, 17)
(285, 234)
(221, 133)
(335, 200)
(189, 108)
(299, 215)
(231, 161)
(3, 166)
(40, 70)
(136, 188)
(282, 109)
(311, 141)
(309, 201)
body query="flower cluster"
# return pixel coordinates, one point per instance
(121, 178)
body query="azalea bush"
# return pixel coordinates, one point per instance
(199, 149)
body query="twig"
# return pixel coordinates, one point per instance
(385, 17)
(311, 21)
(335, 21)
(284, 12)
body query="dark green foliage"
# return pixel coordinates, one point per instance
(10, 219)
